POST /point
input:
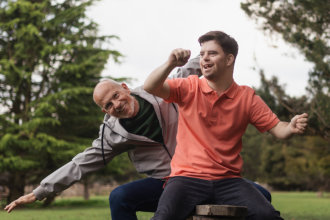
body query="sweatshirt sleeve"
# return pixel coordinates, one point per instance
(85, 162)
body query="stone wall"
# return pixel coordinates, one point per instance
(78, 189)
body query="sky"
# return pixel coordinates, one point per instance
(150, 29)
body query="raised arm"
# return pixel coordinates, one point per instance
(155, 83)
(284, 130)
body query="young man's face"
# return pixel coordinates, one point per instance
(212, 60)
(117, 101)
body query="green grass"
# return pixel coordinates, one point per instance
(292, 205)
(67, 209)
(302, 205)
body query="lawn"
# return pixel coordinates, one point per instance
(302, 205)
(292, 205)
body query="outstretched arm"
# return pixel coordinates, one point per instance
(85, 162)
(29, 198)
(155, 83)
(284, 130)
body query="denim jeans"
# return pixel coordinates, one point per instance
(264, 191)
(140, 195)
(143, 195)
(182, 194)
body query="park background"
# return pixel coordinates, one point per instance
(52, 53)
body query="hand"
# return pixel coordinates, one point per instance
(298, 123)
(179, 57)
(29, 198)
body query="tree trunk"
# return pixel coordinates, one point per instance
(16, 187)
(86, 191)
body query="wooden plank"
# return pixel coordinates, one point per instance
(221, 210)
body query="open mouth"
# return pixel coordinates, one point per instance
(207, 66)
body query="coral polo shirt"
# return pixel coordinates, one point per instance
(211, 126)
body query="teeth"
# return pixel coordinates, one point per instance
(121, 109)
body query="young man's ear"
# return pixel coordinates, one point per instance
(230, 59)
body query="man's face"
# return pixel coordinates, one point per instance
(116, 100)
(212, 60)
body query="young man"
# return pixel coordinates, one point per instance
(213, 114)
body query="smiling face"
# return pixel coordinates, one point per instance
(213, 61)
(115, 99)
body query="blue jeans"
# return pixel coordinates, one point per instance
(140, 195)
(182, 194)
(143, 195)
(264, 191)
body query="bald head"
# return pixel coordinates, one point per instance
(102, 88)
(115, 99)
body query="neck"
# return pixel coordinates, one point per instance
(222, 83)
(219, 87)
(136, 107)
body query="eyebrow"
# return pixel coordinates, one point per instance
(208, 51)
(115, 92)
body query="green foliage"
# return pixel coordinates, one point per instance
(50, 59)
(304, 24)
(302, 161)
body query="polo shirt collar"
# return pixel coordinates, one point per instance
(230, 92)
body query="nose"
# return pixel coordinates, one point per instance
(205, 56)
(116, 104)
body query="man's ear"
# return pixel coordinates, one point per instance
(125, 87)
(230, 59)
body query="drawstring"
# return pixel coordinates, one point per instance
(164, 146)
(174, 107)
(166, 149)
(102, 144)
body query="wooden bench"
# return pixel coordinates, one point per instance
(219, 212)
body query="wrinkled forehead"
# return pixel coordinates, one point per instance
(104, 89)
(107, 86)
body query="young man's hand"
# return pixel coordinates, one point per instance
(284, 130)
(179, 57)
(156, 83)
(29, 198)
(298, 123)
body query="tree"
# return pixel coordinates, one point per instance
(299, 163)
(305, 24)
(50, 59)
